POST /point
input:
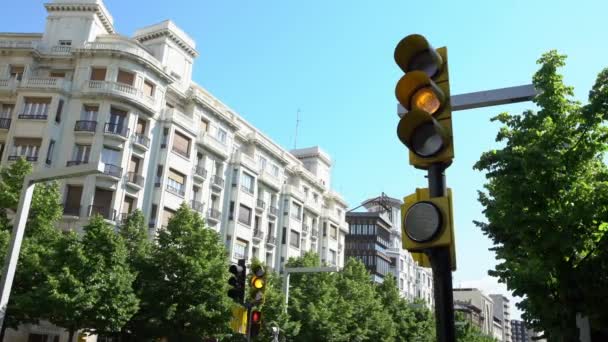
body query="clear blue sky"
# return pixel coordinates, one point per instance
(334, 61)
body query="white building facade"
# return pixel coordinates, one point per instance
(81, 93)
(502, 311)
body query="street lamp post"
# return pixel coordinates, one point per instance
(29, 183)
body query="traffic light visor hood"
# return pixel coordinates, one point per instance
(421, 133)
(415, 53)
(415, 90)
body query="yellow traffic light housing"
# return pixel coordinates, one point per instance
(428, 223)
(424, 91)
(258, 284)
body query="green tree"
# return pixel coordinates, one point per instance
(467, 332)
(11, 183)
(93, 291)
(185, 295)
(411, 321)
(546, 202)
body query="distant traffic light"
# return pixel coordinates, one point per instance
(428, 223)
(237, 281)
(424, 91)
(256, 323)
(258, 285)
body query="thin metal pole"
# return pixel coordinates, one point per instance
(10, 263)
(248, 322)
(442, 270)
(286, 288)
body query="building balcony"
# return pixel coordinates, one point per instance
(217, 182)
(8, 85)
(260, 205)
(106, 212)
(243, 159)
(314, 234)
(18, 44)
(86, 126)
(5, 123)
(213, 143)
(305, 228)
(293, 191)
(124, 47)
(76, 162)
(133, 178)
(116, 130)
(266, 177)
(200, 172)
(28, 116)
(71, 210)
(176, 190)
(214, 215)
(46, 83)
(122, 90)
(258, 235)
(14, 157)
(273, 212)
(141, 140)
(197, 206)
(60, 50)
(113, 171)
(271, 240)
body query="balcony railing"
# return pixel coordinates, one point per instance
(258, 234)
(177, 190)
(85, 126)
(273, 210)
(271, 240)
(135, 178)
(5, 123)
(217, 181)
(214, 213)
(71, 210)
(76, 162)
(116, 129)
(142, 140)
(200, 171)
(33, 116)
(314, 233)
(27, 158)
(112, 170)
(197, 206)
(260, 204)
(123, 47)
(122, 89)
(106, 212)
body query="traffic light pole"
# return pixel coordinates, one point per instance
(441, 265)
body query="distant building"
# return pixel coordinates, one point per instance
(502, 312)
(471, 313)
(519, 333)
(497, 330)
(482, 302)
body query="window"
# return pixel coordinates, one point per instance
(221, 135)
(315, 197)
(16, 72)
(294, 239)
(1, 149)
(270, 228)
(125, 77)
(81, 154)
(149, 88)
(338, 212)
(245, 215)
(332, 257)
(284, 235)
(262, 162)
(275, 170)
(204, 125)
(181, 144)
(296, 213)
(324, 228)
(49, 152)
(163, 142)
(127, 206)
(167, 215)
(6, 110)
(59, 110)
(89, 113)
(176, 181)
(57, 74)
(98, 74)
(42, 338)
(240, 249)
(231, 211)
(72, 200)
(27, 148)
(134, 164)
(110, 156)
(333, 232)
(247, 182)
(36, 106)
(140, 129)
(65, 43)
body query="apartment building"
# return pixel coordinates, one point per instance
(484, 305)
(502, 311)
(383, 215)
(82, 93)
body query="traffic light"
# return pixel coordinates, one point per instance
(256, 323)
(428, 223)
(237, 281)
(424, 91)
(258, 285)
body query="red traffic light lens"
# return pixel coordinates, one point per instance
(256, 316)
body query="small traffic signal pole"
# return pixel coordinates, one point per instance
(248, 335)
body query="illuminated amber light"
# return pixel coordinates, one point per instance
(427, 100)
(257, 283)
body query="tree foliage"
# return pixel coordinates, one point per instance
(546, 202)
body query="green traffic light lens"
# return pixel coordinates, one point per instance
(422, 222)
(426, 140)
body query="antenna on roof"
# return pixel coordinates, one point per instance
(295, 140)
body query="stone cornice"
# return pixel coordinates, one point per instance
(167, 33)
(101, 13)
